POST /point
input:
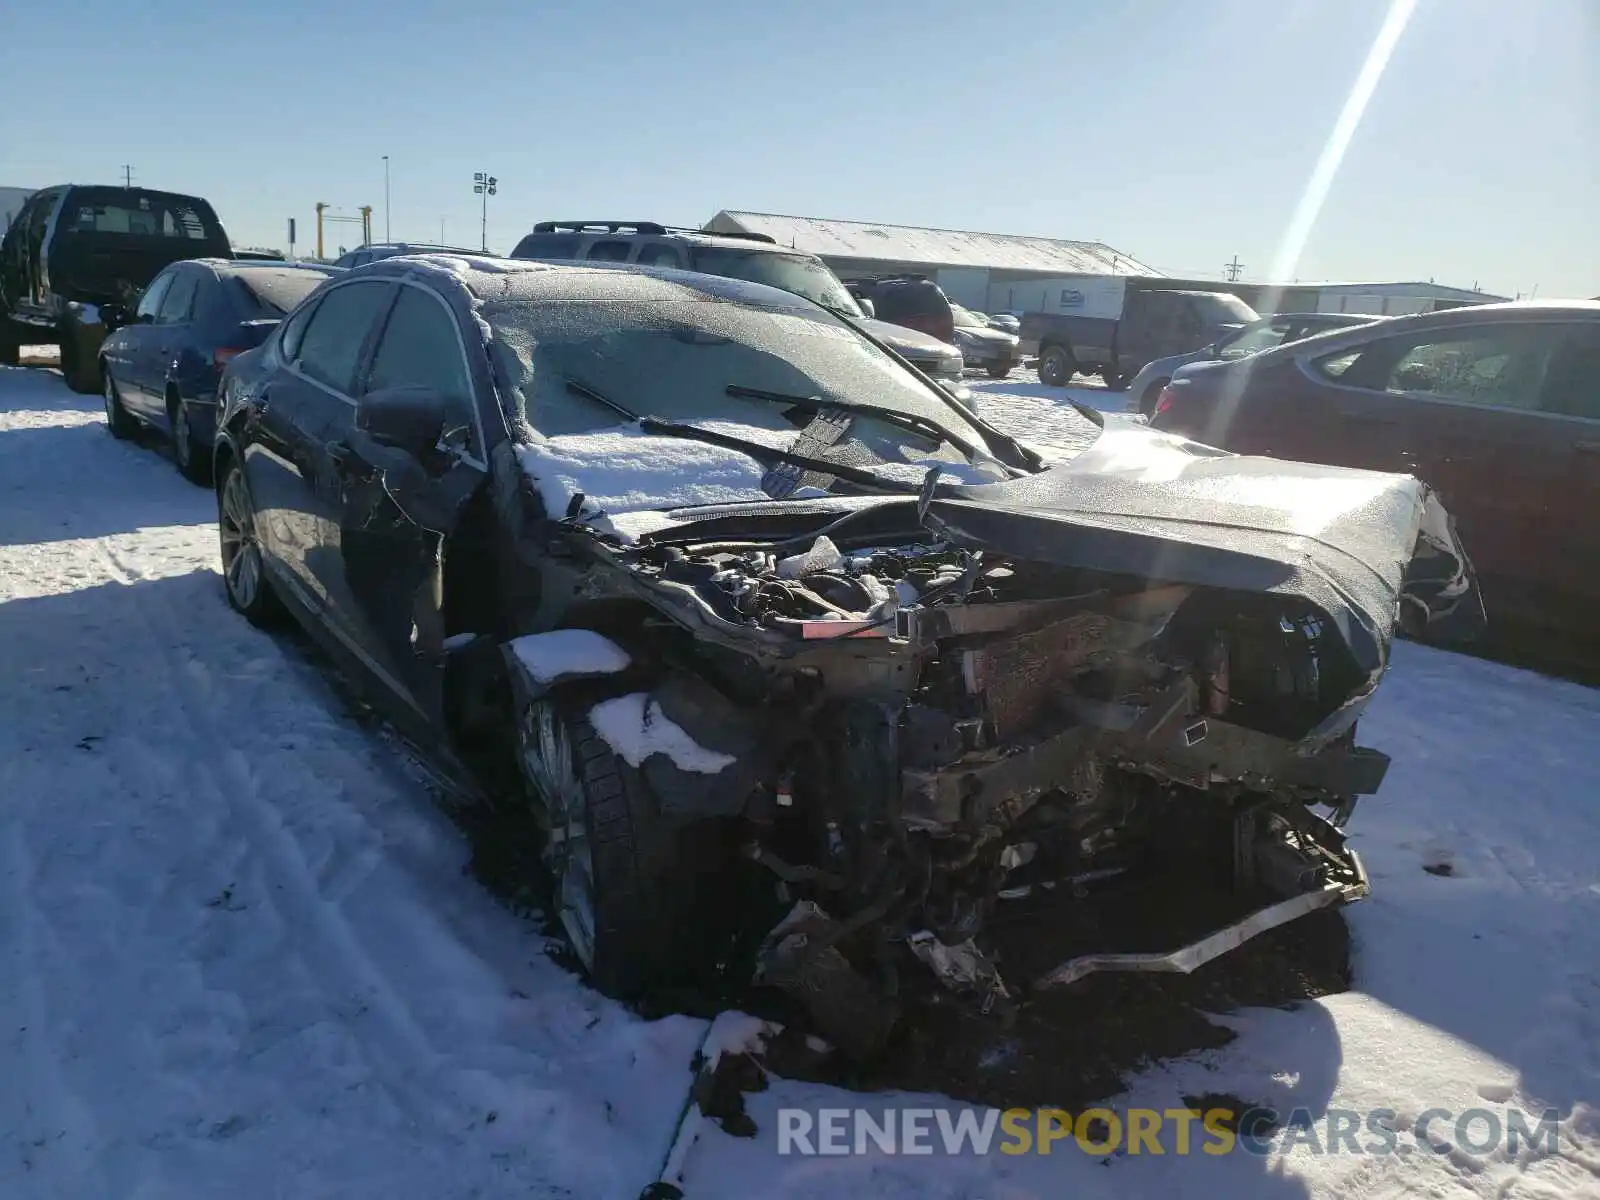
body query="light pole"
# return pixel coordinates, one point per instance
(484, 185)
(386, 236)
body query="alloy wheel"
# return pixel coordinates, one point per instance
(560, 809)
(241, 552)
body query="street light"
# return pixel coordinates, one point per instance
(386, 236)
(483, 184)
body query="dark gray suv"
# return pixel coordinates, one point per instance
(754, 257)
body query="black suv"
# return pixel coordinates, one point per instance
(755, 257)
(73, 248)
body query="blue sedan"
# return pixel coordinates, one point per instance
(161, 363)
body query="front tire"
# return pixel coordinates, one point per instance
(1057, 366)
(118, 420)
(607, 851)
(244, 575)
(193, 459)
(998, 370)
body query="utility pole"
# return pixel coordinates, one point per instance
(127, 175)
(386, 235)
(1233, 268)
(484, 185)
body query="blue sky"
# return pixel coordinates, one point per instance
(1179, 131)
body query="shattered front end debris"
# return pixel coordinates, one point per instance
(930, 707)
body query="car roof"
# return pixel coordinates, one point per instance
(416, 246)
(517, 279)
(638, 230)
(235, 265)
(1400, 326)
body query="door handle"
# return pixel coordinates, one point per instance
(1587, 447)
(1364, 419)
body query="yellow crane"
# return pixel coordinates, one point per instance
(364, 220)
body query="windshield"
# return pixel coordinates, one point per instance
(1253, 339)
(797, 273)
(966, 318)
(708, 363)
(1219, 308)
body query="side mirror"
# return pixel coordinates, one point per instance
(407, 418)
(115, 316)
(867, 306)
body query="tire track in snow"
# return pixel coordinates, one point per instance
(226, 778)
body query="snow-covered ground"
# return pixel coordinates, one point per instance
(239, 955)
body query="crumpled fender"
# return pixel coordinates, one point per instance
(708, 717)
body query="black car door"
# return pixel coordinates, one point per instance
(124, 349)
(397, 510)
(297, 409)
(164, 340)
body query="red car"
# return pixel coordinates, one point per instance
(1496, 406)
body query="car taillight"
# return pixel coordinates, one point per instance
(1166, 400)
(222, 357)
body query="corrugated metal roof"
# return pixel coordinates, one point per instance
(1410, 287)
(934, 247)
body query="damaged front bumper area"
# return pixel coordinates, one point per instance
(944, 713)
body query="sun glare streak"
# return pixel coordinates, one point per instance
(1315, 194)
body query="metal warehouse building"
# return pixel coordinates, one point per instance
(1001, 272)
(991, 272)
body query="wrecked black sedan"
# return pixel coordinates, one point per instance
(715, 582)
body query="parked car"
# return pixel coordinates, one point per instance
(161, 361)
(720, 580)
(1264, 334)
(1145, 324)
(752, 256)
(73, 248)
(1495, 406)
(983, 346)
(911, 301)
(362, 255)
(1008, 322)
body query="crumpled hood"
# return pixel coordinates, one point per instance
(1353, 543)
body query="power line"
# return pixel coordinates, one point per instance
(1233, 268)
(127, 175)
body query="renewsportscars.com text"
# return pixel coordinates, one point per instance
(1180, 1131)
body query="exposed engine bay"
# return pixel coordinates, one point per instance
(922, 732)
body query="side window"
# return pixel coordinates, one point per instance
(293, 330)
(660, 254)
(179, 300)
(150, 302)
(559, 246)
(330, 347)
(1497, 367)
(419, 348)
(1572, 384)
(1337, 366)
(609, 250)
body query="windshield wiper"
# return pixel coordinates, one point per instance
(762, 454)
(893, 416)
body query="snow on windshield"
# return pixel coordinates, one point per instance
(577, 370)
